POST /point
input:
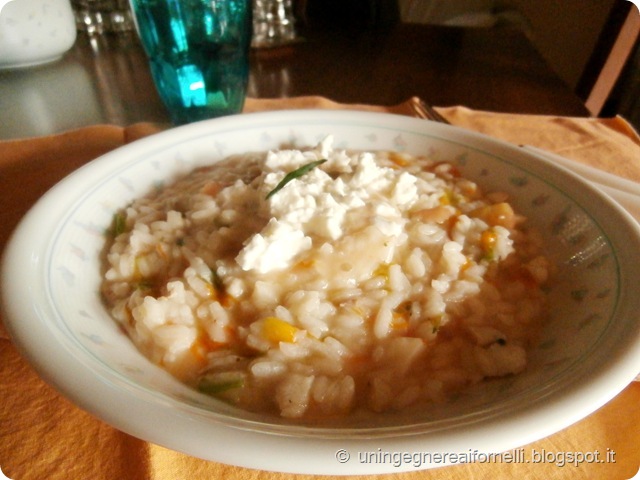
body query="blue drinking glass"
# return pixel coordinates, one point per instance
(199, 54)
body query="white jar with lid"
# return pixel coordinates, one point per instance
(33, 32)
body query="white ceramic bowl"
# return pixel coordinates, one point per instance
(589, 353)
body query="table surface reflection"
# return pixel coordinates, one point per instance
(106, 79)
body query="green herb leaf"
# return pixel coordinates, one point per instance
(216, 281)
(220, 387)
(119, 224)
(221, 382)
(297, 173)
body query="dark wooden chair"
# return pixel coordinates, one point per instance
(610, 82)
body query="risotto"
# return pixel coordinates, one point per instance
(320, 282)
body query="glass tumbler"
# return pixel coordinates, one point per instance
(102, 16)
(273, 23)
(199, 54)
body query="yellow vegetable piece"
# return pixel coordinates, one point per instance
(399, 320)
(276, 330)
(466, 265)
(382, 271)
(305, 264)
(211, 290)
(436, 323)
(498, 214)
(399, 159)
(488, 240)
(446, 198)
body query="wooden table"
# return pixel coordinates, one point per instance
(106, 79)
(487, 69)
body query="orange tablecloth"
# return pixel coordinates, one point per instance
(44, 436)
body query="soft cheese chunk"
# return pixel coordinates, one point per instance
(273, 248)
(315, 206)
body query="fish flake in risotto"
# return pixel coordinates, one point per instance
(315, 283)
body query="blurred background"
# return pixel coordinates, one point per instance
(591, 44)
